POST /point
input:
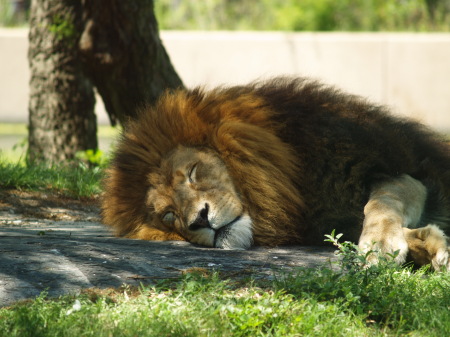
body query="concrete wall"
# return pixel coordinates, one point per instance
(410, 72)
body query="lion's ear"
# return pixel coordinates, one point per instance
(153, 234)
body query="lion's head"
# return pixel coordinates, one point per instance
(193, 194)
(208, 168)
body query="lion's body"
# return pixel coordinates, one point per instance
(303, 159)
(345, 145)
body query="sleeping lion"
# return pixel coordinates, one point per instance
(279, 162)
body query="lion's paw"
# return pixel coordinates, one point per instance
(429, 245)
(390, 246)
(441, 260)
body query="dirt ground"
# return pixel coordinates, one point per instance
(52, 243)
(48, 205)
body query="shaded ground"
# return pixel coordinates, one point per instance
(52, 243)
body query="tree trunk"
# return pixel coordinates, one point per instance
(113, 44)
(124, 55)
(61, 106)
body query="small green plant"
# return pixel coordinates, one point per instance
(348, 252)
(21, 145)
(64, 29)
(352, 258)
(92, 157)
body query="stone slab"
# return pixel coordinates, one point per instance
(64, 257)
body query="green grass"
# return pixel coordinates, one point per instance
(380, 301)
(77, 180)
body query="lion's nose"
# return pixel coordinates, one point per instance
(201, 221)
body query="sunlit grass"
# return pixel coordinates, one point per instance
(77, 180)
(379, 301)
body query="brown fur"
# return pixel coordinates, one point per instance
(240, 129)
(303, 157)
(428, 244)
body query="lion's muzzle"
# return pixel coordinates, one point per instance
(235, 235)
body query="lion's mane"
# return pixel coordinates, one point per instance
(236, 124)
(301, 155)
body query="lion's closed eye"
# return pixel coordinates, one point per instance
(193, 173)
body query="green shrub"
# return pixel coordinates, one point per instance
(305, 15)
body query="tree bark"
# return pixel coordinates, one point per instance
(124, 55)
(61, 103)
(112, 44)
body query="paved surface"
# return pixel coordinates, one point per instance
(66, 256)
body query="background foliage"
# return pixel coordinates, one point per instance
(288, 15)
(14, 12)
(305, 15)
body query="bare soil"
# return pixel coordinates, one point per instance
(52, 243)
(48, 205)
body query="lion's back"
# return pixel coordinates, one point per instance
(345, 144)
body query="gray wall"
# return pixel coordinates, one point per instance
(410, 72)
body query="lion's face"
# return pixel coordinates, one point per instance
(193, 195)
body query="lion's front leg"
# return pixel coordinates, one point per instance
(392, 205)
(382, 233)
